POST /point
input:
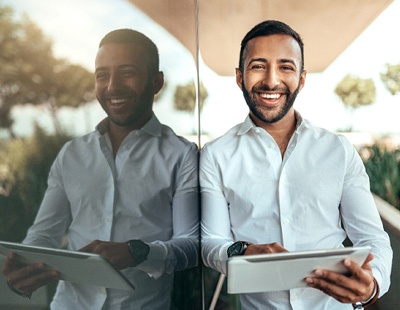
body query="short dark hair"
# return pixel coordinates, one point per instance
(126, 36)
(267, 28)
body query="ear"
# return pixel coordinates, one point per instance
(158, 82)
(239, 77)
(302, 79)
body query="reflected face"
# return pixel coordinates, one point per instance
(271, 78)
(123, 85)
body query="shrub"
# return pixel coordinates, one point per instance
(383, 169)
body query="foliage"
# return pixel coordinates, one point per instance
(383, 169)
(24, 167)
(355, 92)
(391, 78)
(185, 97)
(31, 74)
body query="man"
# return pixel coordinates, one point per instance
(127, 191)
(276, 183)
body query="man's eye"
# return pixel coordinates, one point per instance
(128, 73)
(257, 67)
(101, 76)
(287, 68)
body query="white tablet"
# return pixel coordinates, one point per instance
(283, 271)
(78, 267)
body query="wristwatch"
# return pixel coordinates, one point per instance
(139, 251)
(237, 248)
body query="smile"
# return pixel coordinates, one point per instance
(118, 100)
(270, 96)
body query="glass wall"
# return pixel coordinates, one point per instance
(199, 44)
(37, 125)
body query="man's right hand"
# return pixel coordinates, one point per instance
(269, 248)
(26, 279)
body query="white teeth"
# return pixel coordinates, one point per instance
(270, 96)
(117, 100)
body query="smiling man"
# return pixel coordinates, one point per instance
(276, 183)
(127, 191)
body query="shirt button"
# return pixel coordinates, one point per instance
(286, 221)
(257, 130)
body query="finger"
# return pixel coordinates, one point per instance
(360, 273)
(17, 275)
(357, 287)
(331, 289)
(30, 284)
(366, 264)
(89, 247)
(10, 264)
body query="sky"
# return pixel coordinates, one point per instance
(76, 27)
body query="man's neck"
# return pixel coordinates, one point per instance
(282, 130)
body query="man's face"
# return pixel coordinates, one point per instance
(123, 85)
(271, 77)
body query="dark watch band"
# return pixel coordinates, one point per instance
(138, 250)
(237, 248)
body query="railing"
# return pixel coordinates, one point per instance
(391, 222)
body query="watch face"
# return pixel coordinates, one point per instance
(237, 248)
(139, 251)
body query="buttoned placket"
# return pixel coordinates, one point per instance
(108, 214)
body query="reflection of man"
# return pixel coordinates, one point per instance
(130, 180)
(277, 183)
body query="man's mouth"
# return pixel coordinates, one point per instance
(118, 100)
(270, 96)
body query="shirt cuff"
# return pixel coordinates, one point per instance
(159, 260)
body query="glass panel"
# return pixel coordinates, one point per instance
(36, 125)
(329, 57)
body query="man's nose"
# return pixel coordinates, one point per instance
(114, 83)
(271, 78)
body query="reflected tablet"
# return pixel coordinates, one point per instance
(78, 267)
(283, 271)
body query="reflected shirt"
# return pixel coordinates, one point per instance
(148, 192)
(311, 199)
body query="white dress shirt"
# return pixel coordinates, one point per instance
(250, 193)
(149, 192)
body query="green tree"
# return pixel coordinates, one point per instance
(24, 167)
(185, 97)
(355, 92)
(31, 74)
(391, 78)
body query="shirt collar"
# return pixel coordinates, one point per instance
(152, 127)
(248, 123)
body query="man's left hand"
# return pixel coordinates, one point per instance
(358, 287)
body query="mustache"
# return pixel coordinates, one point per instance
(264, 88)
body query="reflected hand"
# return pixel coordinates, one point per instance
(25, 279)
(117, 253)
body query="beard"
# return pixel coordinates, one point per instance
(141, 106)
(260, 111)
